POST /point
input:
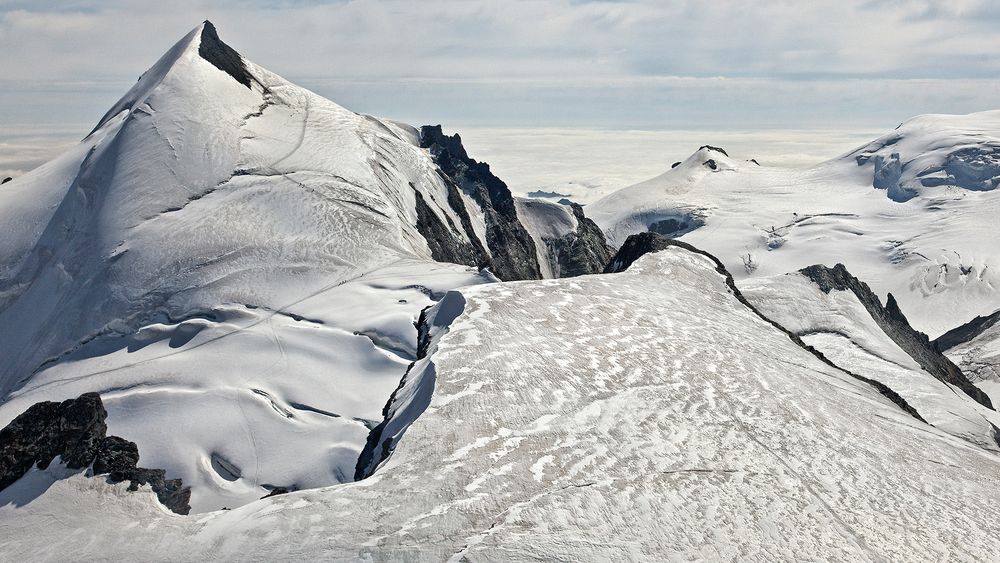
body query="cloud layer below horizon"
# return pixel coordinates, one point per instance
(735, 64)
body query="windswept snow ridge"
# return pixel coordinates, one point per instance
(643, 414)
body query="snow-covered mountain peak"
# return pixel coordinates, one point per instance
(706, 159)
(931, 151)
(235, 264)
(183, 70)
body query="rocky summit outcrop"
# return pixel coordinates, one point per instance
(512, 251)
(75, 431)
(583, 251)
(893, 322)
(635, 247)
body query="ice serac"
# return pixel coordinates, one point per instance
(511, 249)
(893, 322)
(935, 150)
(75, 433)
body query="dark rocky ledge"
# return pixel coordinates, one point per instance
(583, 251)
(512, 249)
(966, 332)
(222, 56)
(893, 322)
(76, 432)
(638, 245)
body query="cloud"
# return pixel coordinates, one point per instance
(606, 63)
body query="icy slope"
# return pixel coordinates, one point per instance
(642, 415)
(234, 264)
(978, 353)
(839, 325)
(936, 252)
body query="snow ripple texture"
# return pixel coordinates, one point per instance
(646, 415)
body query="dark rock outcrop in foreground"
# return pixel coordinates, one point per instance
(510, 244)
(643, 243)
(583, 251)
(893, 322)
(5, 180)
(76, 432)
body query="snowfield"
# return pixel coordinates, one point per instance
(936, 252)
(641, 415)
(273, 294)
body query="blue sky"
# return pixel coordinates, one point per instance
(654, 65)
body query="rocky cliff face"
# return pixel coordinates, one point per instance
(75, 431)
(510, 246)
(893, 322)
(583, 251)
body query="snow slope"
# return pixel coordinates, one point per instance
(838, 325)
(234, 264)
(935, 250)
(642, 415)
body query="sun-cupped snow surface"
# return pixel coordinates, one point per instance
(636, 416)
(208, 259)
(935, 252)
(839, 326)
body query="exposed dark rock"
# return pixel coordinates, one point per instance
(635, 247)
(754, 160)
(966, 332)
(222, 56)
(675, 165)
(71, 430)
(668, 227)
(566, 201)
(445, 242)
(76, 432)
(716, 149)
(638, 245)
(547, 195)
(512, 249)
(893, 322)
(711, 164)
(117, 457)
(5, 180)
(973, 168)
(276, 491)
(584, 251)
